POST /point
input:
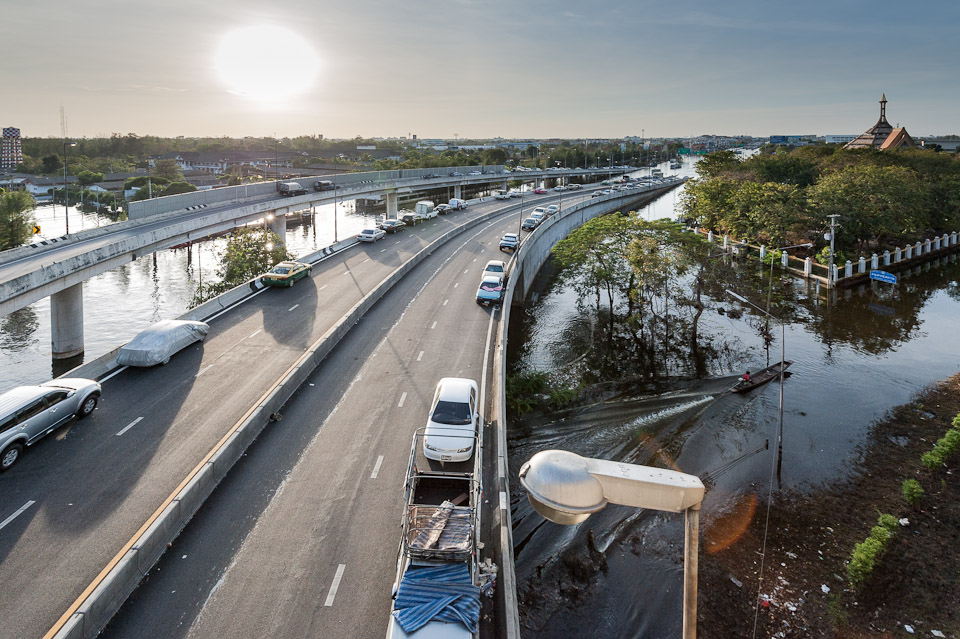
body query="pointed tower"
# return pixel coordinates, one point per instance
(881, 135)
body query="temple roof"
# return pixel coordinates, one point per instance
(882, 135)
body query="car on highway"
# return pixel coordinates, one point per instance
(495, 267)
(27, 413)
(457, 203)
(456, 174)
(559, 187)
(539, 217)
(286, 273)
(516, 193)
(442, 209)
(490, 290)
(501, 195)
(509, 242)
(159, 342)
(529, 224)
(474, 173)
(410, 217)
(542, 210)
(597, 194)
(391, 225)
(553, 209)
(371, 235)
(574, 187)
(540, 190)
(453, 421)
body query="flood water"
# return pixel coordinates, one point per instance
(120, 303)
(855, 356)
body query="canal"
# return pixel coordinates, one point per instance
(855, 355)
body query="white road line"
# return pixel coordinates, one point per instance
(433, 326)
(403, 398)
(445, 302)
(376, 467)
(255, 333)
(365, 261)
(293, 307)
(203, 370)
(420, 356)
(335, 585)
(323, 287)
(16, 514)
(456, 284)
(130, 425)
(383, 250)
(466, 270)
(113, 374)
(474, 259)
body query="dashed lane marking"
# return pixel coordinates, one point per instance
(129, 426)
(255, 333)
(16, 514)
(203, 370)
(376, 467)
(403, 398)
(335, 585)
(293, 307)
(420, 356)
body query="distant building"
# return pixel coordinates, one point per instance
(882, 135)
(838, 139)
(792, 140)
(11, 153)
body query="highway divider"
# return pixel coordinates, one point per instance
(101, 599)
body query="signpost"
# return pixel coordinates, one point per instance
(883, 276)
(36, 230)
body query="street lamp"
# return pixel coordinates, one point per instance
(783, 367)
(66, 200)
(567, 488)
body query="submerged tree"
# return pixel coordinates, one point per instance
(249, 252)
(15, 222)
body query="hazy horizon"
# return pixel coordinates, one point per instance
(477, 70)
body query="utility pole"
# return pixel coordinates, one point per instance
(833, 233)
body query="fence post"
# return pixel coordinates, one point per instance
(896, 256)
(807, 267)
(926, 246)
(726, 242)
(861, 265)
(886, 258)
(936, 243)
(710, 236)
(909, 252)
(784, 259)
(848, 269)
(836, 272)
(763, 251)
(919, 249)
(953, 239)
(873, 262)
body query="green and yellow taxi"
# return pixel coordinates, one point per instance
(286, 273)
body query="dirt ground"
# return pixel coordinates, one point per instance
(915, 587)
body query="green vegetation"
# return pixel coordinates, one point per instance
(884, 198)
(866, 554)
(945, 446)
(527, 391)
(16, 225)
(250, 252)
(912, 491)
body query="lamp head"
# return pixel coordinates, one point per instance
(560, 487)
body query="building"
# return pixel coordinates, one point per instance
(838, 139)
(11, 152)
(882, 135)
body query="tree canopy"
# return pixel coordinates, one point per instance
(16, 226)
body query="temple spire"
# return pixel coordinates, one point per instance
(883, 106)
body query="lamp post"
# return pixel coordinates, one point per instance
(66, 199)
(276, 160)
(567, 488)
(770, 285)
(783, 358)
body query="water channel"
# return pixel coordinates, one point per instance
(855, 356)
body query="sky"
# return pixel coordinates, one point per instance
(477, 69)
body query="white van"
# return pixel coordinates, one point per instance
(426, 209)
(456, 204)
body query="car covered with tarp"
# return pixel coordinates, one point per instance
(158, 343)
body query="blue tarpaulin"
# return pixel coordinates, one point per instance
(443, 593)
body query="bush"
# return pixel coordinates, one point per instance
(912, 491)
(945, 446)
(522, 390)
(866, 554)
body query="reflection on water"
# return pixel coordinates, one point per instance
(855, 357)
(120, 303)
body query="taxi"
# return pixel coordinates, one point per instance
(286, 273)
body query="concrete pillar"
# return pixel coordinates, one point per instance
(504, 186)
(807, 267)
(953, 239)
(897, 255)
(945, 241)
(936, 243)
(710, 236)
(784, 259)
(726, 242)
(278, 226)
(886, 258)
(926, 246)
(919, 249)
(458, 191)
(763, 251)
(861, 265)
(873, 262)
(66, 322)
(391, 200)
(848, 269)
(909, 252)
(836, 273)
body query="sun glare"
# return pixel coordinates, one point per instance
(266, 63)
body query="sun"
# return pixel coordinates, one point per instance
(266, 63)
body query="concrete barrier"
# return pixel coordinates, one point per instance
(93, 611)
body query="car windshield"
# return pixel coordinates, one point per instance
(453, 413)
(495, 268)
(280, 270)
(367, 231)
(491, 286)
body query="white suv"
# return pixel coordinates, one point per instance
(453, 422)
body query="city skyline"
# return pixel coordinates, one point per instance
(477, 70)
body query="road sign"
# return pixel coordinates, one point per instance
(36, 230)
(883, 276)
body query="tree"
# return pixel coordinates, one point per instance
(717, 163)
(15, 223)
(51, 164)
(168, 169)
(89, 177)
(176, 188)
(249, 252)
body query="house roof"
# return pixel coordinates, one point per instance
(898, 138)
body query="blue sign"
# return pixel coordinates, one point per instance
(883, 276)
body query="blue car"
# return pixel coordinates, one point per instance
(491, 290)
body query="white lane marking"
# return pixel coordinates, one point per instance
(113, 374)
(365, 261)
(203, 370)
(293, 307)
(445, 302)
(129, 426)
(335, 585)
(466, 270)
(474, 259)
(456, 284)
(16, 514)
(420, 356)
(383, 250)
(403, 398)
(503, 501)
(255, 333)
(433, 326)
(376, 467)
(323, 287)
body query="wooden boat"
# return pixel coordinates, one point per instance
(761, 377)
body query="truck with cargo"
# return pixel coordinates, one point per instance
(425, 209)
(438, 554)
(290, 189)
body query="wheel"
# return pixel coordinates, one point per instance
(10, 456)
(87, 406)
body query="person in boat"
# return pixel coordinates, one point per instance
(745, 378)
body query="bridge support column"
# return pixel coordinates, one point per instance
(458, 191)
(391, 200)
(66, 322)
(278, 226)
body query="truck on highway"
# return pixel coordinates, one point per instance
(426, 209)
(290, 189)
(324, 185)
(438, 549)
